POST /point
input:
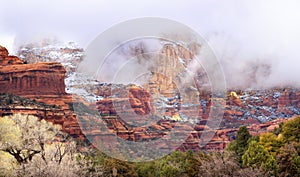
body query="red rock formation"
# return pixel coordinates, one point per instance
(42, 82)
(284, 100)
(238, 111)
(166, 70)
(130, 99)
(234, 99)
(161, 128)
(3, 52)
(140, 100)
(30, 79)
(5, 59)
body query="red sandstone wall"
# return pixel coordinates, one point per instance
(30, 79)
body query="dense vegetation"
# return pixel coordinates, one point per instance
(9, 101)
(32, 147)
(276, 153)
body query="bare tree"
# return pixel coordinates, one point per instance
(225, 164)
(25, 136)
(40, 149)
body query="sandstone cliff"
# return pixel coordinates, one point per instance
(41, 91)
(123, 106)
(19, 78)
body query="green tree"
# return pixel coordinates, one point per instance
(291, 130)
(278, 130)
(174, 164)
(115, 167)
(271, 142)
(146, 168)
(240, 145)
(256, 156)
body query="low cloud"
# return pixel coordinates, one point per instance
(257, 43)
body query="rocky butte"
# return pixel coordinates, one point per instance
(39, 89)
(31, 88)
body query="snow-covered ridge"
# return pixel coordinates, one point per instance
(69, 54)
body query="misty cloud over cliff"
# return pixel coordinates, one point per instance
(255, 41)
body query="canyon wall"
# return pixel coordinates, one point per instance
(22, 79)
(43, 84)
(124, 106)
(257, 109)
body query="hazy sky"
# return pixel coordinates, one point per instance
(237, 30)
(83, 20)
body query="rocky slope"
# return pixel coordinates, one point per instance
(122, 106)
(257, 109)
(121, 110)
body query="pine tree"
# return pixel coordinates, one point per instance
(291, 130)
(240, 145)
(256, 156)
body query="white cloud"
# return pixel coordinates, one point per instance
(8, 42)
(267, 31)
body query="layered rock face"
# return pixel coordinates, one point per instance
(262, 105)
(165, 79)
(30, 79)
(119, 115)
(44, 84)
(160, 103)
(169, 83)
(157, 103)
(254, 108)
(131, 98)
(69, 54)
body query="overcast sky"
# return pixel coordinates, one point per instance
(81, 21)
(235, 28)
